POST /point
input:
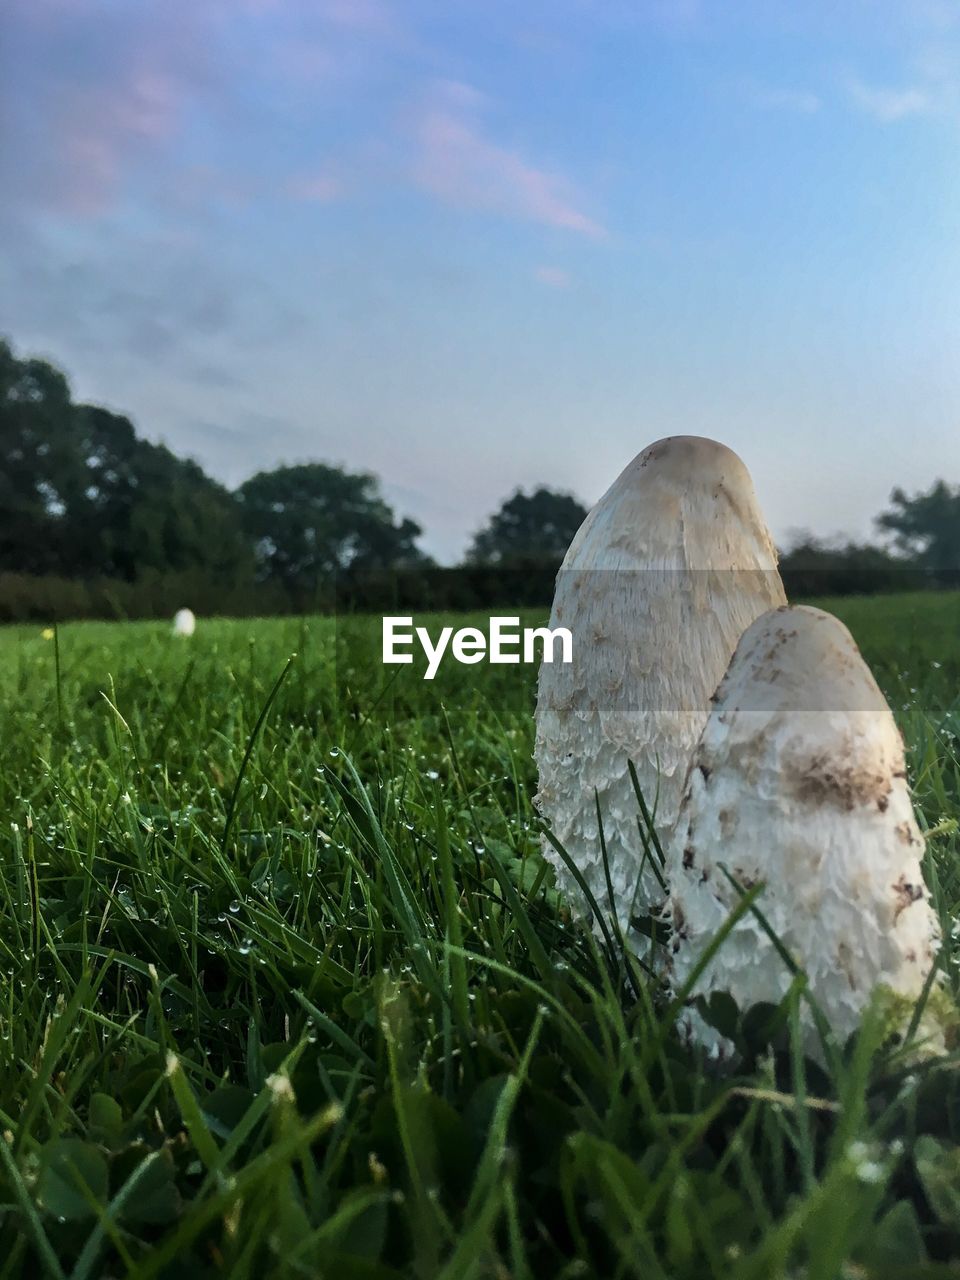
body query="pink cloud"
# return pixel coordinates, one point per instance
(98, 128)
(102, 99)
(459, 165)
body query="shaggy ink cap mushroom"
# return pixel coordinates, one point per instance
(664, 575)
(184, 622)
(798, 784)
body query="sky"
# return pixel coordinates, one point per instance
(472, 245)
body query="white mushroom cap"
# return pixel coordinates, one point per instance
(184, 622)
(799, 782)
(666, 572)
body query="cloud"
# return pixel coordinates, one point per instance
(554, 277)
(88, 95)
(98, 129)
(459, 165)
(145, 299)
(889, 105)
(97, 96)
(927, 84)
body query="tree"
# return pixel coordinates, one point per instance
(528, 527)
(36, 462)
(836, 567)
(81, 495)
(183, 520)
(312, 522)
(926, 527)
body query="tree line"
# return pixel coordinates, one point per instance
(96, 520)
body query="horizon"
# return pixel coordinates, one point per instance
(472, 252)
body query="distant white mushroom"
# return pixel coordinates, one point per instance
(798, 783)
(660, 582)
(184, 622)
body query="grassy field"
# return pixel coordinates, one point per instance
(287, 991)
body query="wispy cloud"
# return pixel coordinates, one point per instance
(926, 83)
(460, 165)
(889, 105)
(97, 96)
(100, 128)
(87, 101)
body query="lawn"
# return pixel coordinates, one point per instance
(287, 990)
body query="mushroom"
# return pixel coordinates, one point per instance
(184, 622)
(660, 582)
(798, 784)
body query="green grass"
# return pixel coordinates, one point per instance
(287, 991)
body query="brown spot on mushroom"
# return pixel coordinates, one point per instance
(728, 822)
(704, 769)
(688, 857)
(904, 833)
(841, 781)
(904, 894)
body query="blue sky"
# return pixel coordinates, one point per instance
(472, 244)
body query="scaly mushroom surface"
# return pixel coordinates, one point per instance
(665, 574)
(798, 783)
